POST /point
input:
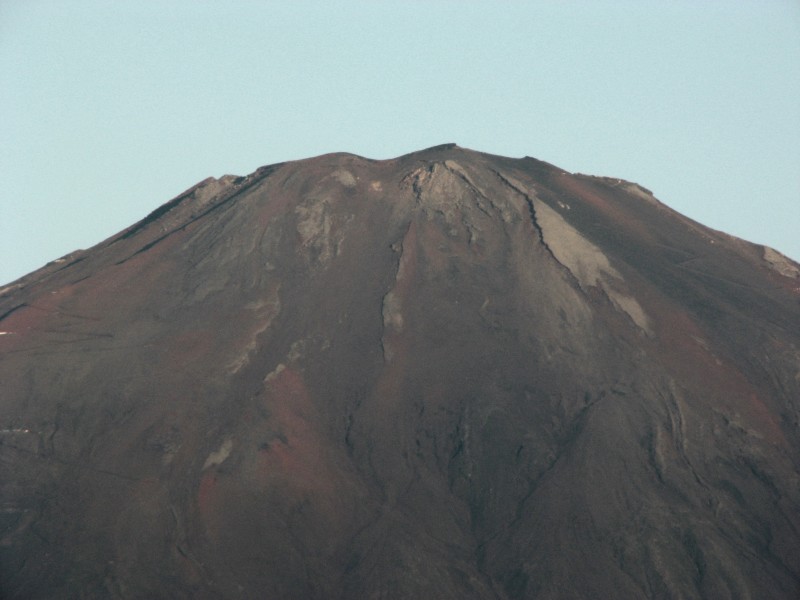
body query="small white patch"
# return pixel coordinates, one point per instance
(273, 374)
(345, 178)
(267, 309)
(296, 351)
(6, 333)
(392, 317)
(219, 457)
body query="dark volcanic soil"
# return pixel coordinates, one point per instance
(448, 375)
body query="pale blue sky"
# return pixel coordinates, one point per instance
(109, 109)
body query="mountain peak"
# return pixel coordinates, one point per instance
(449, 374)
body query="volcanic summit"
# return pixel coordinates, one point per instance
(446, 375)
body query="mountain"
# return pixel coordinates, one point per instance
(446, 375)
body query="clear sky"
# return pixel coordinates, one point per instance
(109, 109)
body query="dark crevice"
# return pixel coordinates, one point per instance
(222, 202)
(531, 214)
(12, 310)
(69, 264)
(650, 442)
(695, 553)
(466, 180)
(416, 186)
(160, 211)
(564, 446)
(478, 193)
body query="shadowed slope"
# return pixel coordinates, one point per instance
(445, 375)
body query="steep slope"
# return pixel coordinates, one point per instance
(448, 375)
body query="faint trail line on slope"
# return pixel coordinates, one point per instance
(63, 313)
(224, 200)
(67, 463)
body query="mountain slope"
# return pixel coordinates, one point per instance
(449, 374)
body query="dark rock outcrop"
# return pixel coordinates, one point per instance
(448, 375)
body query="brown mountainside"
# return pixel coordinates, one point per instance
(447, 375)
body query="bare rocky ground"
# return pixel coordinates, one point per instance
(447, 375)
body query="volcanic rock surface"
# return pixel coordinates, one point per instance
(447, 375)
